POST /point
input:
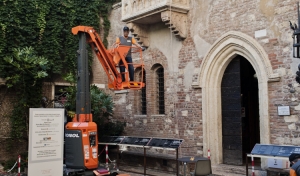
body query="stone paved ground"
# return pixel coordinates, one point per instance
(133, 171)
(139, 172)
(219, 170)
(10, 174)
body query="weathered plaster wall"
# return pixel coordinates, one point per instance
(160, 38)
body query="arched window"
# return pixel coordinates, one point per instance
(143, 94)
(160, 89)
(140, 96)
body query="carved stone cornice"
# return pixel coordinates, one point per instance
(133, 10)
(117, 5)
(140, 33)
(139, 13)
(176, 22)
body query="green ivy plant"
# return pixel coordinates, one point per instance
(46, 26)
(35, 28)
(24, 67)
(24, 72)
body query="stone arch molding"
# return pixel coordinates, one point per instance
(236, 41)
(211, 73)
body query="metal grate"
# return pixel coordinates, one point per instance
(161, 91)
(143, 95)
(60, 96)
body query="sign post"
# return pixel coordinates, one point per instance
(46, 137)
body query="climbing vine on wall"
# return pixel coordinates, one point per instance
(45, 27)
(24, 74)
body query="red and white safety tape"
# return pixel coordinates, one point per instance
(252, 160)
(19, 166)
(106, 151)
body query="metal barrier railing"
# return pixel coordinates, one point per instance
(143, 142)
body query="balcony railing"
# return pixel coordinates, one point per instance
(133, 10)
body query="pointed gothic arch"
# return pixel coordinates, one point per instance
(210, 77)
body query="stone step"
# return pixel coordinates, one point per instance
(231, 170)
(138, 170)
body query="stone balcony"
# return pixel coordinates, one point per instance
(140, 13)
(138, 10)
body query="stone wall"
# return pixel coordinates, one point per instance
(266, 21)
(182, 118)
(7, 100)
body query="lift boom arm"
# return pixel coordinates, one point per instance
(108, 58)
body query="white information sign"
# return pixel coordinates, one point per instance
(46, 140)
(284, 110)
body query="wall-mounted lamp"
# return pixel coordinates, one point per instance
(296, 37)
(296, 43)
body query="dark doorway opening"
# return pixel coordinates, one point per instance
(250, 105)
(240, 111)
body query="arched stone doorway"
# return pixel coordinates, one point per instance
(212, 69)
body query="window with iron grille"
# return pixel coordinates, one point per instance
(143, 94)
(160, 90)
(60, 96)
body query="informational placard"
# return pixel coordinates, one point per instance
(111, 139)
(46, 140)
(136, 140)
(275, 150)
(283, 110)
(165, 143)
(141, 141)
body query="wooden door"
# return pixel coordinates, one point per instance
(231, 114)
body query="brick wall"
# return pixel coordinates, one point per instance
(208, 21)
(182, 118)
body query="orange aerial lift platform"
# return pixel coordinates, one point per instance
(81, 136)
